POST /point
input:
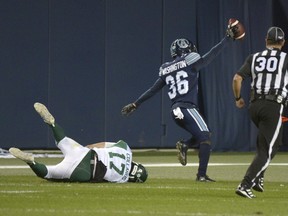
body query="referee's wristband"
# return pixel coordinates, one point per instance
(238, 98)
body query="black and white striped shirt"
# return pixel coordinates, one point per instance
(269, 72)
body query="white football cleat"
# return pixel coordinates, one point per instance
(26, 157)
(44, 113)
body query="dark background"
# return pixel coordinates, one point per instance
(85, 60)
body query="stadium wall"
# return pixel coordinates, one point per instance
(87, 59)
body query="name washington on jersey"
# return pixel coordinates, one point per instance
(174, 67)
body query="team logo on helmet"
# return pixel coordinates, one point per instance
(182, 46)
(183, 43)
(138, 173)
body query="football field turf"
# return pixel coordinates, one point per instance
(171, 189)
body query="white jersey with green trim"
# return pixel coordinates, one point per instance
(117, 157)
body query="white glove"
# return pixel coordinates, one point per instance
(178, 113)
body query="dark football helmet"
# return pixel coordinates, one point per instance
(138, 173)
(182, 46)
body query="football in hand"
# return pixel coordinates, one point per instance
(237, 28)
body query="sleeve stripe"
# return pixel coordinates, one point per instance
(192, 58)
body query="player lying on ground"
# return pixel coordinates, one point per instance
(99, 162)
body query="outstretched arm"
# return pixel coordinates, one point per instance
(158, 85)
(235, 31)
(128, 109)
(209, 56)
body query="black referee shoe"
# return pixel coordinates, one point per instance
(259, 186)
(244, 191)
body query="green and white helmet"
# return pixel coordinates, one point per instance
(138, 173)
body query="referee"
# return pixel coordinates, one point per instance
(269, 83)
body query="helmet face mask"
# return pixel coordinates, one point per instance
(138, 173)
(182, 46)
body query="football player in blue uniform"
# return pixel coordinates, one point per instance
(181, 77)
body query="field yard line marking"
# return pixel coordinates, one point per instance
(163, 165)
(210, 164)
(14, 167)
(17, 192)
(36, 156)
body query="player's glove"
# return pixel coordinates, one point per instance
(231, 32)
(235, 29)
(128, 109)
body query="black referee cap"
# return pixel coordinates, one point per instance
(275, 34)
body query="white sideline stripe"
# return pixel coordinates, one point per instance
(164, 165)
(17, 192)
(210, 164)
(36, 156)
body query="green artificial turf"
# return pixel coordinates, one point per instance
(169, 190)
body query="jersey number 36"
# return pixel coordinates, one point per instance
(177, 84)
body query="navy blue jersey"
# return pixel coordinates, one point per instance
(181, 77)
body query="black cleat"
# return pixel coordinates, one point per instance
(259, 186)
(182, 152)
(244, 191)
(204, 179)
